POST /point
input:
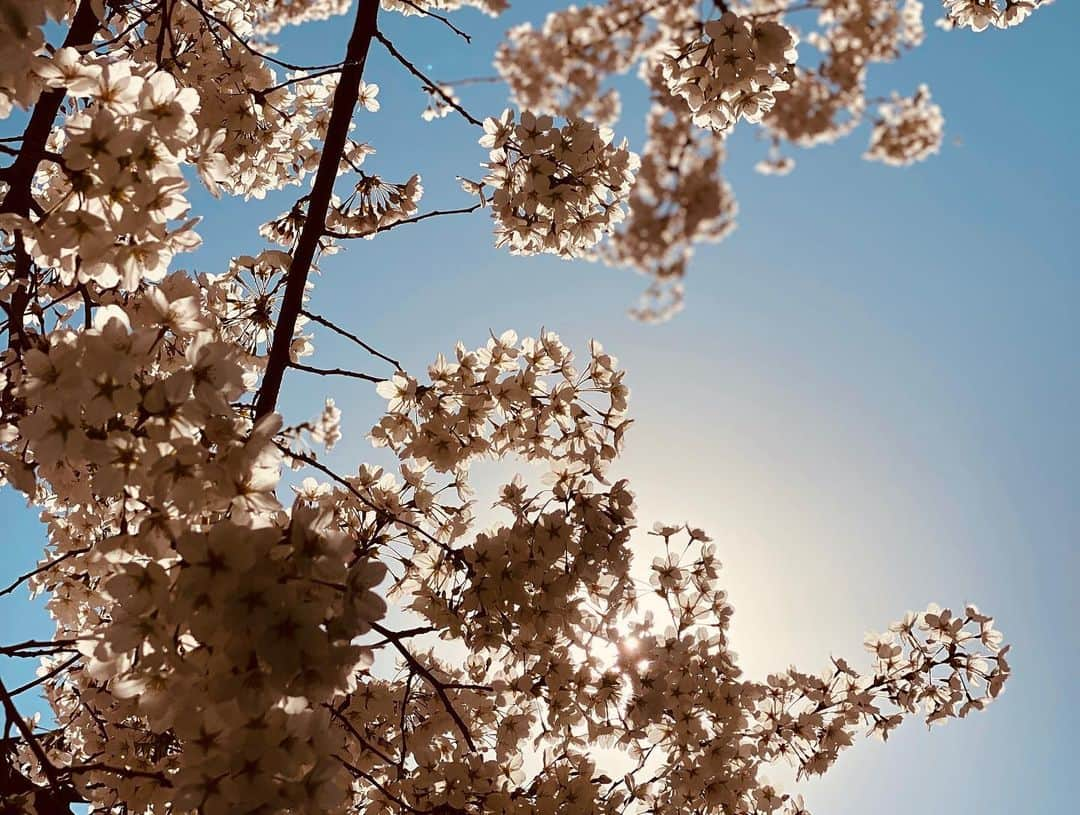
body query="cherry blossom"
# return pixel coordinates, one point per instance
(908, 130)
(555, 189)
(978, 15)
(734, 72)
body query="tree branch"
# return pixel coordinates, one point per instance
(123, 772)
(414, 220)
(437, 685)
(44, 567)
(15, 718)
(247, 46)
(335, 372)
(429, 84)
(444, 20)
(33, 683)
(339, 330)
(37, 648)
(345, 98)
(20, 174)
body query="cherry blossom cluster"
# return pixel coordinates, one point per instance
(733, 72)
(827, 103)
(556, 189)
(258, 131)
(688, 62)
(497, 400)
(680, 199)
(908, 129)
(21, 40)
(246, 298)
(559, 68)
(372, 206)
(721, 730)
(112, 182)
(273, 15)
(258, 624)
(164, 514)
(226, 648)
(439, 102)
(112, 189)
(124, 404)
(856, 33)
(979, 15)
(375, 204)
(815, 111)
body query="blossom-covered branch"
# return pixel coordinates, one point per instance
(345, 97)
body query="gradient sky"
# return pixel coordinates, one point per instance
(870, 401)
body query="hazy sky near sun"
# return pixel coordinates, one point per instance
(871, 400)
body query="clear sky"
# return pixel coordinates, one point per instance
(871, 400)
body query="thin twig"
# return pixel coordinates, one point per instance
(429, 84)
(439, 17)
(472, 80)
(335, 372)
(63, 666)
(284, 84)
(414, 220)
(209, 17)
(14, 717)
(44, 567)
(339, 330)
(438, 686)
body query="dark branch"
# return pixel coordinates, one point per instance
(437, 685)
(33, 683)
(335, 372)
(414, 220)
(44, 567)
(339, 330)
(209, 17)
(14, 717)
(37, 648)
(337, 131)
(444, 20)
(19, 176)
(429, 84)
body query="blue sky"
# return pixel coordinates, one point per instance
(870, 401)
